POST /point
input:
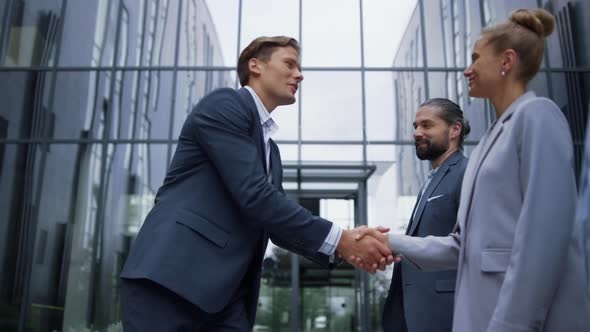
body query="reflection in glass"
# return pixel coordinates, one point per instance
(191, 87)
(29, 33)
(112, 203)
(331, 152)
(332, 106)
(269, 18)
(384, 23)
(287, 118)
(70, 211)
(78, 207)
(224, 17)
(380, 101)
(334, 44)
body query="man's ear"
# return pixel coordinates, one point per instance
(254, 66)
(455, 131)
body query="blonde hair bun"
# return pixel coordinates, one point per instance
(537, 20)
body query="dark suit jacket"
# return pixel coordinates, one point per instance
(207, 233)
(428, 296)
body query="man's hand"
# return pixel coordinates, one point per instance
(379, 233)
(372, 252)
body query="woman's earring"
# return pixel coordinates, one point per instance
(503, 73)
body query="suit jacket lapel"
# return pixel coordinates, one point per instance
(483, 149)
(276, 167)
(470, 177)
(257, 134)
(440, 174)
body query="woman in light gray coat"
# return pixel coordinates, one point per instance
(519, 261)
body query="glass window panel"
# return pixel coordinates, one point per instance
(509, 6)
(78, 196)
(129, 186)
(85, 114)
(350, 187)
(439, 87)
(29, 36)
(539, 84)
(310, 153)
(287, 118)
(439, 33)
(409, 51)
(12, 192)
(3, 11)
(191, 87)
(568, 94)
(274, 301)
(154, 102)
(380, 105)
(224, 16)
(561, 83)
(489, 12)
(387, 205)
(384, 26)
(289, 185)
(320, 40)
(127, 100)
(201, 39)
(52, 179)
(338, 211)
(269, 18)
(480, 115)
(382, 153)
(165, 21)
(143, 31)
(332, 106)
(409, 94)
(93, 43)
(289, 153)
(555, 49)
(18, 95)
(415, 170)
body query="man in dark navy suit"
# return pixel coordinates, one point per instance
(423, 301)
(196, 262)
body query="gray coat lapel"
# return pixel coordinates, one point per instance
(257, 129)
(484, 147)
(440, 174)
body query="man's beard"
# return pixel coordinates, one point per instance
(431, 150)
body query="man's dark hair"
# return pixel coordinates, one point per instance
(451, 113)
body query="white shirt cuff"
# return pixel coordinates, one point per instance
(332, 240)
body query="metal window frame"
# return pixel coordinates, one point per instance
(106, 141)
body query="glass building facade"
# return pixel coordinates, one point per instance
(94, 94)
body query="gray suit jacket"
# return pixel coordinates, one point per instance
(520, 264)
(428, 293)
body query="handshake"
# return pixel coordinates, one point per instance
(366, 248)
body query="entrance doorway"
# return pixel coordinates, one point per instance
(299, 295)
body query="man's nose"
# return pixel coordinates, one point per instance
(417, 133)
(299, 75)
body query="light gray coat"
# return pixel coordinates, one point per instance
(520, 264)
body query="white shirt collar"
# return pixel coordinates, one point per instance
(266, 119)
